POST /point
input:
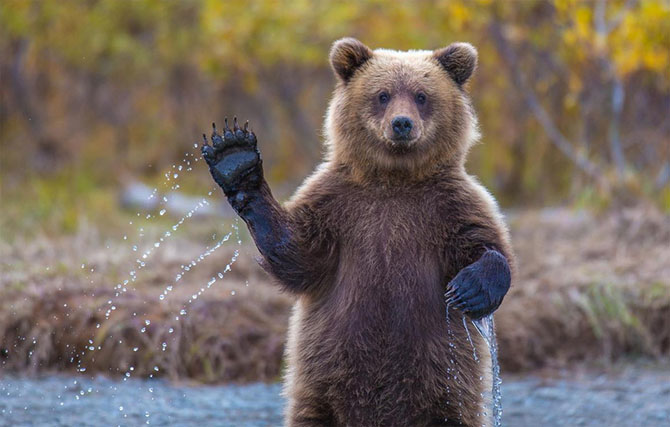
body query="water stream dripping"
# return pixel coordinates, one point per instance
(486, 328)
(474, 351)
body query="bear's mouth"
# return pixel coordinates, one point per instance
(400, 145)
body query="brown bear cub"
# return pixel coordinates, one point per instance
(370, 243)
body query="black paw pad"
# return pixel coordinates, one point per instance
(233, 157)
(479, 288)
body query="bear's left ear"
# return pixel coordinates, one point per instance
(459, 60)
(347, 55)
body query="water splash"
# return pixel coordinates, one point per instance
(121, 288)
(186, 268)
(213, 279)
(486, 328)
(172, 177)
(453, 370)
(227, 268)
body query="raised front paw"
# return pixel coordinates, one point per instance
(479, 288)
(233, 158)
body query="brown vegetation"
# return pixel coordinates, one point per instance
(589, 287)
(51, 316)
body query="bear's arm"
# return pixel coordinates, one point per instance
(295, 246)
(480, 264)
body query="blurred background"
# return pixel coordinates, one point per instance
(101, 103)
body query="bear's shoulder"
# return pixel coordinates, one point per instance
(324, 187)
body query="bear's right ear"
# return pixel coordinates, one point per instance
(459, 60)
(347, 55)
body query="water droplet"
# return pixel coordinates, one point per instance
(162, 212)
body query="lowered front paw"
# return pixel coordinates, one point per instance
(479, 288)
(233, 158)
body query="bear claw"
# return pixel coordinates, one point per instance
(479, 288)
(233, 158)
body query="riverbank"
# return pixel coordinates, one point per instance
(189, 301)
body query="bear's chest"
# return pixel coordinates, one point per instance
(390, 272)
(395, 236)
(393, 225)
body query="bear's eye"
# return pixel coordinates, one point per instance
(384, 97)
(420, 98)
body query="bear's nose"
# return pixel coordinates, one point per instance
(402, 126)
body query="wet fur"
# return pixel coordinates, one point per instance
(368, 245)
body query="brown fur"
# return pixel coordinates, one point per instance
(377, 235)
(459, 59)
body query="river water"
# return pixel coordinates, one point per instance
(637, 397)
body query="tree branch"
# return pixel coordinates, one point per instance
(618, 92)
(555, 136)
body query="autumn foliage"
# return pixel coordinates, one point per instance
(573, 96)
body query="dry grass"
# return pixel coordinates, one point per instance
(590, 286)
(54, 309)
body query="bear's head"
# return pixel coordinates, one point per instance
(402, 113)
